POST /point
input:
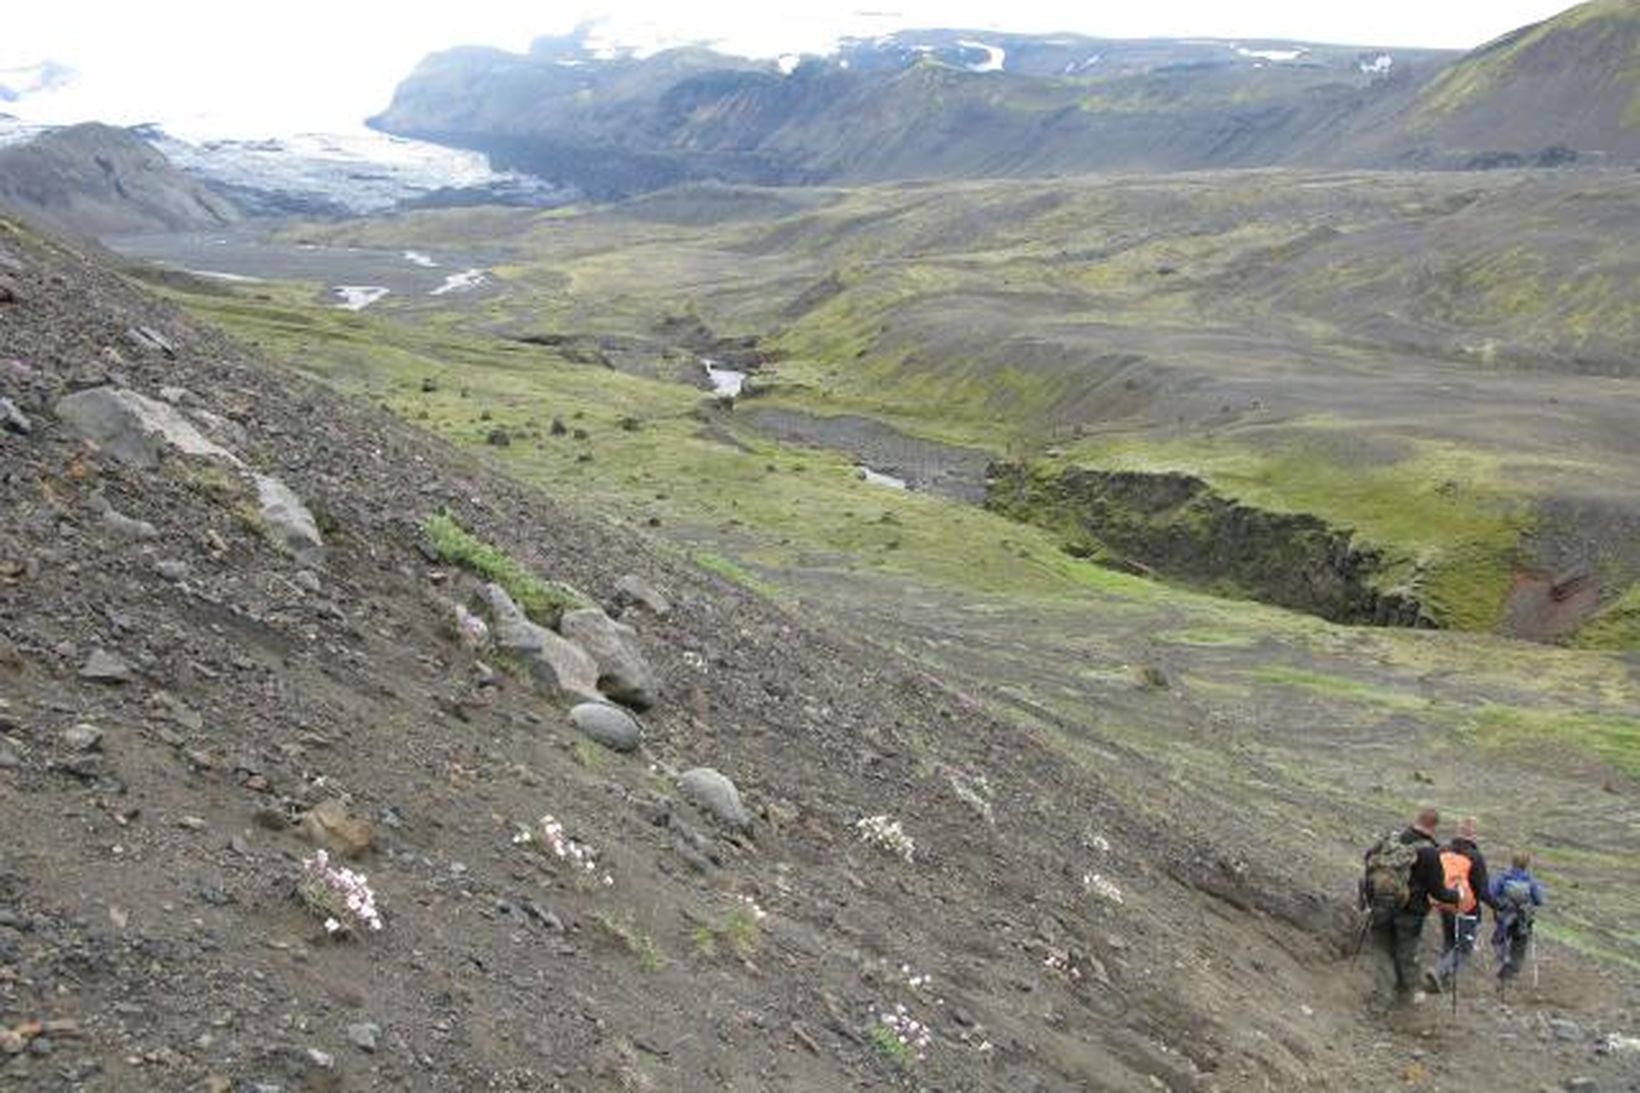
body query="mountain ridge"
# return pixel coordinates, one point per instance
(952, 103)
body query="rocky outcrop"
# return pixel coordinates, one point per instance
(623, 673)
(135, 429)
(98, 180)
(1177, 526)
(287, 521)
(550, 659)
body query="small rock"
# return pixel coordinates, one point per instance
(364, 1035)
(12, 1042)
(191, 823)
(321, 1059)
(633, 590)
(716, 794)
(13, 420)
(498, 438)
(9, 293)
(307, 581)
(172, 569)
(329, 825)
(105, 667)
(131, 528)
(9, 756)
(83, 737)
(615, 729)
(1565, 1030)
(271, 819)
(1582, 1085)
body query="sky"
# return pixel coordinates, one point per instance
(204, 68)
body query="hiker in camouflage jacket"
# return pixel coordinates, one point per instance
(1396, 934)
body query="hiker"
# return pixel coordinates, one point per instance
(1402, 874)
(1516, 896)
(1465, 869)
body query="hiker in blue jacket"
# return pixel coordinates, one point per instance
(1516, 896)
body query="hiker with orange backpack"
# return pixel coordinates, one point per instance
(1465, 868)
(1402, 874)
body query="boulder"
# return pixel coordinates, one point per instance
(127, 526)
(288, 521)
(623, 672)
(633, 591)
(133, 428)
(329, 825)
(104, 667)
(610, 726)
(716, 795)
(550, 658)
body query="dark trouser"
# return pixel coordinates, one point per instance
(1458, 934)
(1510, 942)
(1395, 942)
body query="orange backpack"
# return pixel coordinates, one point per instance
(1457, 867)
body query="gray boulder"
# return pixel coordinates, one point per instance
(133, 428)
(718, 796)
(623, 672)
(551, 659)
(610, 726)
(105, 667)
(288, 521)
(633, 591)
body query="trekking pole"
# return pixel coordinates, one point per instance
(1361, 938)
(1531, 955)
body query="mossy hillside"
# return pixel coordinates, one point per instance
(1472, 78)
(1616, 627)
(659, 451)
(1449, 532)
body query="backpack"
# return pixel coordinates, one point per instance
(1386, 886)
(1517, 904)
(1457, 866)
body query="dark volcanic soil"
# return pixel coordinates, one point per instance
(147, 920)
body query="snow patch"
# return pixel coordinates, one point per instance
(726, 382)
(878, 478)
(358, 297)
(416, 258)
(1280, 55)
(461, 282)
(995, 56)
(218, 275)
(1376, 66)
(787, 63)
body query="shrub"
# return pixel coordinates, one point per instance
(542, 600)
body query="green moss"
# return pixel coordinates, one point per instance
(542, 600)
(1616, 627)
(1609, 738)
(1341, 687)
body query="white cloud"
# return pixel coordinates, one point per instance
(306, 64)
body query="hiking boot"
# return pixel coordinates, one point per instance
(1433, 983)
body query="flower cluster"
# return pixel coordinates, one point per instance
(471, 629)
(1061, 962)
(886, 834)
(551, 835)
(757, 913)
(914, 981)
(342, 896)
(911, 1034)
(1102, 887)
